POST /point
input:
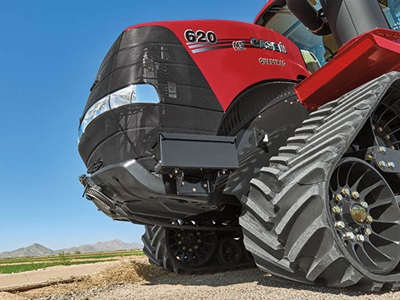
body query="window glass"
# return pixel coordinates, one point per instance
(284, 22)
(391, 10)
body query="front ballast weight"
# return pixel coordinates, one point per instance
(325, 211)
(198, 163)
(186, 181)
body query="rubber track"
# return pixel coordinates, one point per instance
(285, 218)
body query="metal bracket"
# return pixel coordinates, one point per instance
(385, 159)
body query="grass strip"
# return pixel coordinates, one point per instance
(94, 255)
(35, 266)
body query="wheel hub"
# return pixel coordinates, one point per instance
(359, 213)
(365, 215)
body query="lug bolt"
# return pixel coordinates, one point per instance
(380, 129)
(179, 235)
(338, 197)
(196, 247)
(360, 238)
(367, 231)
(205, 185)
(350, 236)
(183, 248)
(382, 164)
(194, 190)
(345, 192)
(179, 242)
(393, 147)
(336, 210)
(369, 219)
(355, 195)
(176, 171)
(388, 137)
(382, 150)
(190, 249)
(364, 204)
(198, 233)
(198, 241)
(340, 225)
(391, 165)
(369, 157)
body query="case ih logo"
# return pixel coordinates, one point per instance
(239, 45)
(262, 44)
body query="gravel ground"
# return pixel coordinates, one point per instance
(242, 284)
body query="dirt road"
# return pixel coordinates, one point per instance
(137, 280)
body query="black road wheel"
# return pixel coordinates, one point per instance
(191, 248)
(230, 251)
(315, 218)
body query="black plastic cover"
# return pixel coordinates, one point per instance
(154, 55)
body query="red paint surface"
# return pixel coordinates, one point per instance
(229, 72)
(357, 62)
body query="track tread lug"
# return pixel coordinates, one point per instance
(308, 129)
(289, 150)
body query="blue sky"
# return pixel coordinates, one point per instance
(49, 55)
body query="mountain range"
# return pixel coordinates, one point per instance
(40, 250)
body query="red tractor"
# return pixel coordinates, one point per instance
(275, 143)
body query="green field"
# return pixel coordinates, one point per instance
(22, 264)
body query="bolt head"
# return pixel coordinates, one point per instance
(369, 157)
(367, 231)
(340, 225)
(179, 235)
(391, 165)
(199, 241)
(345, 192)
(382, 150)
(380, 129)
(393, 147)
(388, 137)
(350, 236)
(196, 247)
(190, 249)
(336, 210)
(382, 164)
(179, 242)
(355, 195)
(364, 204)
(338, 197)
(194, 190)
(369, 219)
(198, 233)
(183, 248)
(360, 238)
